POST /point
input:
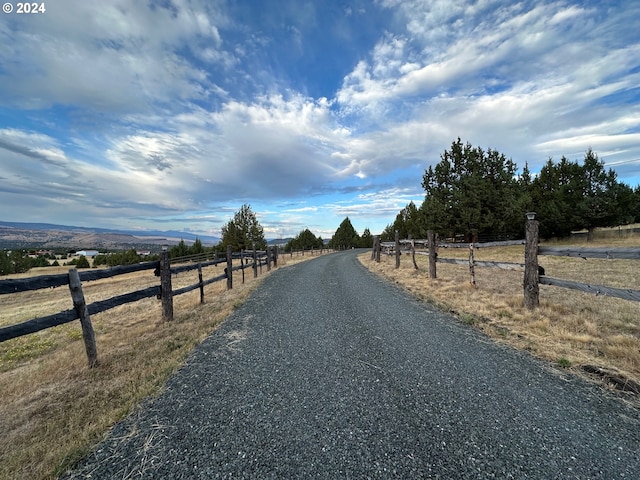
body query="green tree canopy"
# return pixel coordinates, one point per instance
(471, 192)
(345, 236)
(568, 196)
(305, 240)
(243, 231)
(366, 239)
(82, 262)
(409, 222)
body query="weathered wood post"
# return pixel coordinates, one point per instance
(378, 249)
(433, 255)
(531, 287)
(413, 254)
(200, 283)
(397, 249)
(373, 249)
(472, 266)
(229, 270)
(255, 262)
(166, 291)
(275, 257)
(242, 264)
(89, 337)
(268, 258)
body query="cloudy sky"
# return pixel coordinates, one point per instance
(171, 114)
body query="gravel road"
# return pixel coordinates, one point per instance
(329, 372)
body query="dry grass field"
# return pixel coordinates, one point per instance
(53, 407)
(571, 329)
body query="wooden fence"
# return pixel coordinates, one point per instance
(534, 275)
(164, 292)
(310, 251)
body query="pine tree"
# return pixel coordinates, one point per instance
(244, 231)
(345, 236)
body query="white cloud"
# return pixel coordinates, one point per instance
(118, 56)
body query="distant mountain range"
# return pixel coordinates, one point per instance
(47, 235)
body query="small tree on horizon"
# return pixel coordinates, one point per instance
(243, 231)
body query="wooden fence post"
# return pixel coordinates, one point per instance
(373, 249)
(166, 292)
(378, 250)
(229, 270)
(472, 266)
(531, 287)
(413, 254)
(432, 254)
(275, 257)
(89, 337)
(397, 249)
(255, 262)
(201, 283)
(242, 264)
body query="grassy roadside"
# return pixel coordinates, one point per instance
(571, 329)
(53, 408)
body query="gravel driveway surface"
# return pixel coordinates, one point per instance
(329, 372)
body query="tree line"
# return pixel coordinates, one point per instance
(472, 193)
(19, 261)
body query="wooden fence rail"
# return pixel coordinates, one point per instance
(533, 273)
(164, 292)
(51, 281)
(624, 293)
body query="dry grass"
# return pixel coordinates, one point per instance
(570, 328)
(53, 408)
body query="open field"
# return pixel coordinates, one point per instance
(570, 329)
(53, 408)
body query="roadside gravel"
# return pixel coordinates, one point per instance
(330, 372)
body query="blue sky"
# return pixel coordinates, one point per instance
(172, 114)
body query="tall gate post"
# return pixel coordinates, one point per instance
(397, 249)
(531, 287)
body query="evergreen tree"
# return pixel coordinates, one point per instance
(196, 248)
(305, 240)
(635, 205)
(366, 239)
(409, 223)
(82, 262)
(40, 261)
(244, 231)
(20, 261)
(471, 192)
(5, 264)
(568, 196)
(178, 251)
(600, 205)
(345, 236)
(388, 234)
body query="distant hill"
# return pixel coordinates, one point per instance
(279, 241)
(47, 235)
